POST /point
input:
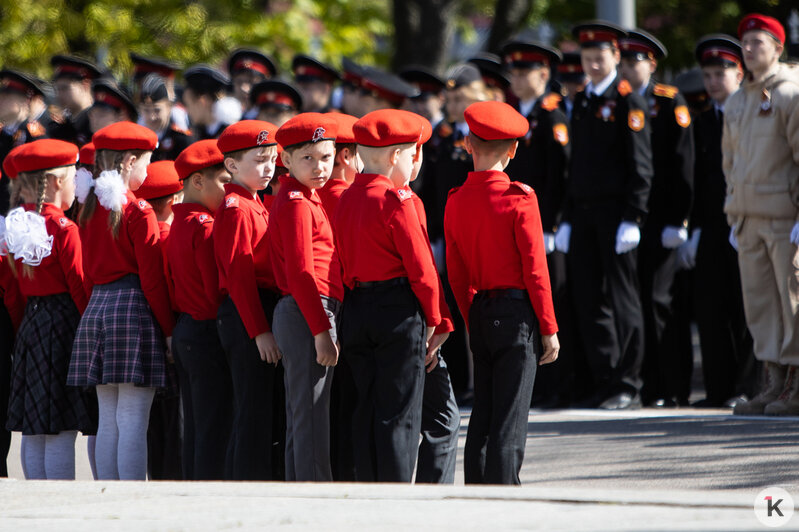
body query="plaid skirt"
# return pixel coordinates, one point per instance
(118, 340)
(40, 401)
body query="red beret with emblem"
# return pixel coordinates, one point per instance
(87, 154)
(345, 134)
(43, 154)
(495, 121)
(8, 162)
(198, 156)
(756, 21)
(162, 180)
(245, 135)
(307, 127)
(124, 136)
(387, 127)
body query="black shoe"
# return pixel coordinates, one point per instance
(621, 401)
(707, 403)
(732, 402)
(664, 402)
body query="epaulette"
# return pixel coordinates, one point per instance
(143, 205)
(624, 87)
(527, 189)
(36, 129)
(205, 218)
(444, 130)
(551, 101)
(403, 194)
(180, 130)
(295, 195)
(665, 91)
(231, 202)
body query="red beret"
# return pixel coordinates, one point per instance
(307, 127)
(387, 127)
(202, 154)
(345, 123)
(123, 136)
(8, 162)
(247, 134)
(495, 121)
(87, 154)
(44, 154)
(755, 21)
(427, 131)
(162, 180)
(279, 162)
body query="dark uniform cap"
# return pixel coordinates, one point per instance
(73, 67)
(570, 69)
(152, 65)
(14, 81)
(388, 86)
(153, 88)
(424, 79)
(276, 93)
(306, 68)
(247, 59)
(491, 68)
(352, 72)
(108, 93)
(718, 49)
(598, 34)
(641, 45)
(204, 79)
(529, 54)
(463, 74)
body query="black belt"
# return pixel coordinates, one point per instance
(509, 293)
(396, 281)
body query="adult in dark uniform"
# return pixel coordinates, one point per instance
(541, 161)
(728, 363)
(315, 81)
(572, 80)
(247, 68)
(495, 77)
(155, 110)
(205, 86)
(16, 125)
(72, 81)
(275, 101)
(112, 104)
(666, 224)
(167, 70)
(610, 175)
(351, 75)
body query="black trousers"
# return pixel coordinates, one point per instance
(383, 340)
(505, 341)
(6, 345)
(343, 401)
(207, 392)
(441, 423)
(657, 267)
(606, 300)
(164, 442)
(251, 452)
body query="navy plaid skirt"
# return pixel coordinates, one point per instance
(40, 401)
(118, 340)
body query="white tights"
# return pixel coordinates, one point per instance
(121, 448)
(49, 456)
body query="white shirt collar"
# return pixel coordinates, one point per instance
(525, 106)
(462, 127)
(642, 90)
(719, 107)
(603, 85)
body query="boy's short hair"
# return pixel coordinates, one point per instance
(490, 146)
(159, 204)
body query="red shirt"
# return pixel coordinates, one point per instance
(330, 194)
(137, 250)
(13, 299)
(303, 255)
(379, 237)
(62, 271)
(495, 240)
(242, 255)
(163, 228)
(191, 260)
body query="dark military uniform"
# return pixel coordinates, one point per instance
(74, 129)
(27, 131)
(171, 142)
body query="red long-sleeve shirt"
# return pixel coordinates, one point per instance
(330, 194)
(379, 237)
(61, 271)
(190, 250)
(495, 240)
(137, 250)
(13, 299)
(242, 255)
(303, 255)
(164, 228)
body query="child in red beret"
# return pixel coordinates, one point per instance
(205, 383)
(248, 284)
(45, 253)
(121, 343)
(347, 164)
(392, 307)
(497, 268)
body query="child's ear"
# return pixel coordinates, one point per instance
(230, 164)
(467, 143)
(196, 180)
(394, 156)
(512, 150)
(285, 157)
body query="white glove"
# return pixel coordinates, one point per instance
(562, 237)
(549, 242)
(673, 237)
(733, 239)
(686, 254)
(795, 234)
(628, 236)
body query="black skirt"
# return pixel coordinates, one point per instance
(40, 401)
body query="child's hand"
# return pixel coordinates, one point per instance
(428, 334)
(431, 360)
(326, 350)
(267, 348)
(170, 357)
(551, 348)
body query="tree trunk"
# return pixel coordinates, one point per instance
(509, 17)
(423, 31)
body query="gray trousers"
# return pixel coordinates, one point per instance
(307, 392)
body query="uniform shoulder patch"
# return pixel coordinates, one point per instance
(231, 202)
(636, 120)
(64, 222)
(36, 129)
(551, 101)
(624, 87)
(295, 195)
(682, 115)
(180, 130)
(665, 91)
(204, 218)
(403, 194)
(143, 205)
(527, 189)
(561, 133)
